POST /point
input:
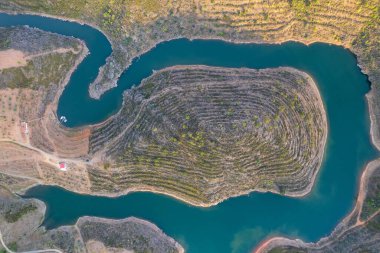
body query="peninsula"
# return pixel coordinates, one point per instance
(203, 134)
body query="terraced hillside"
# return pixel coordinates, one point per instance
(136, 26)
(204, 134)
(359, 232)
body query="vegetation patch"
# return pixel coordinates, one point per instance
(131, 234)
(371, 203)
(15, 214)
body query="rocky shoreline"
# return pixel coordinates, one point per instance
(21, 219)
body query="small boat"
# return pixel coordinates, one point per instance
(63, 119)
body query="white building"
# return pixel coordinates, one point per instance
(24, 127)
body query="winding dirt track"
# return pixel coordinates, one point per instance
(48, 157)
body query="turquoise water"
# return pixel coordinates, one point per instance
(238, 224)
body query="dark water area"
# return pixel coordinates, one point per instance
(237, 224)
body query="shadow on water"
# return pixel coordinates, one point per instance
(237, 224)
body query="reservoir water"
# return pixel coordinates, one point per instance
(237, 224)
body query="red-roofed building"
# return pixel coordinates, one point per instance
(63, 166)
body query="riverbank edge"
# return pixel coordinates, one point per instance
(134, 220)
(41, 209)
(342, 227)
(97, 93)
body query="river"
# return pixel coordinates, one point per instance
(237, 224)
